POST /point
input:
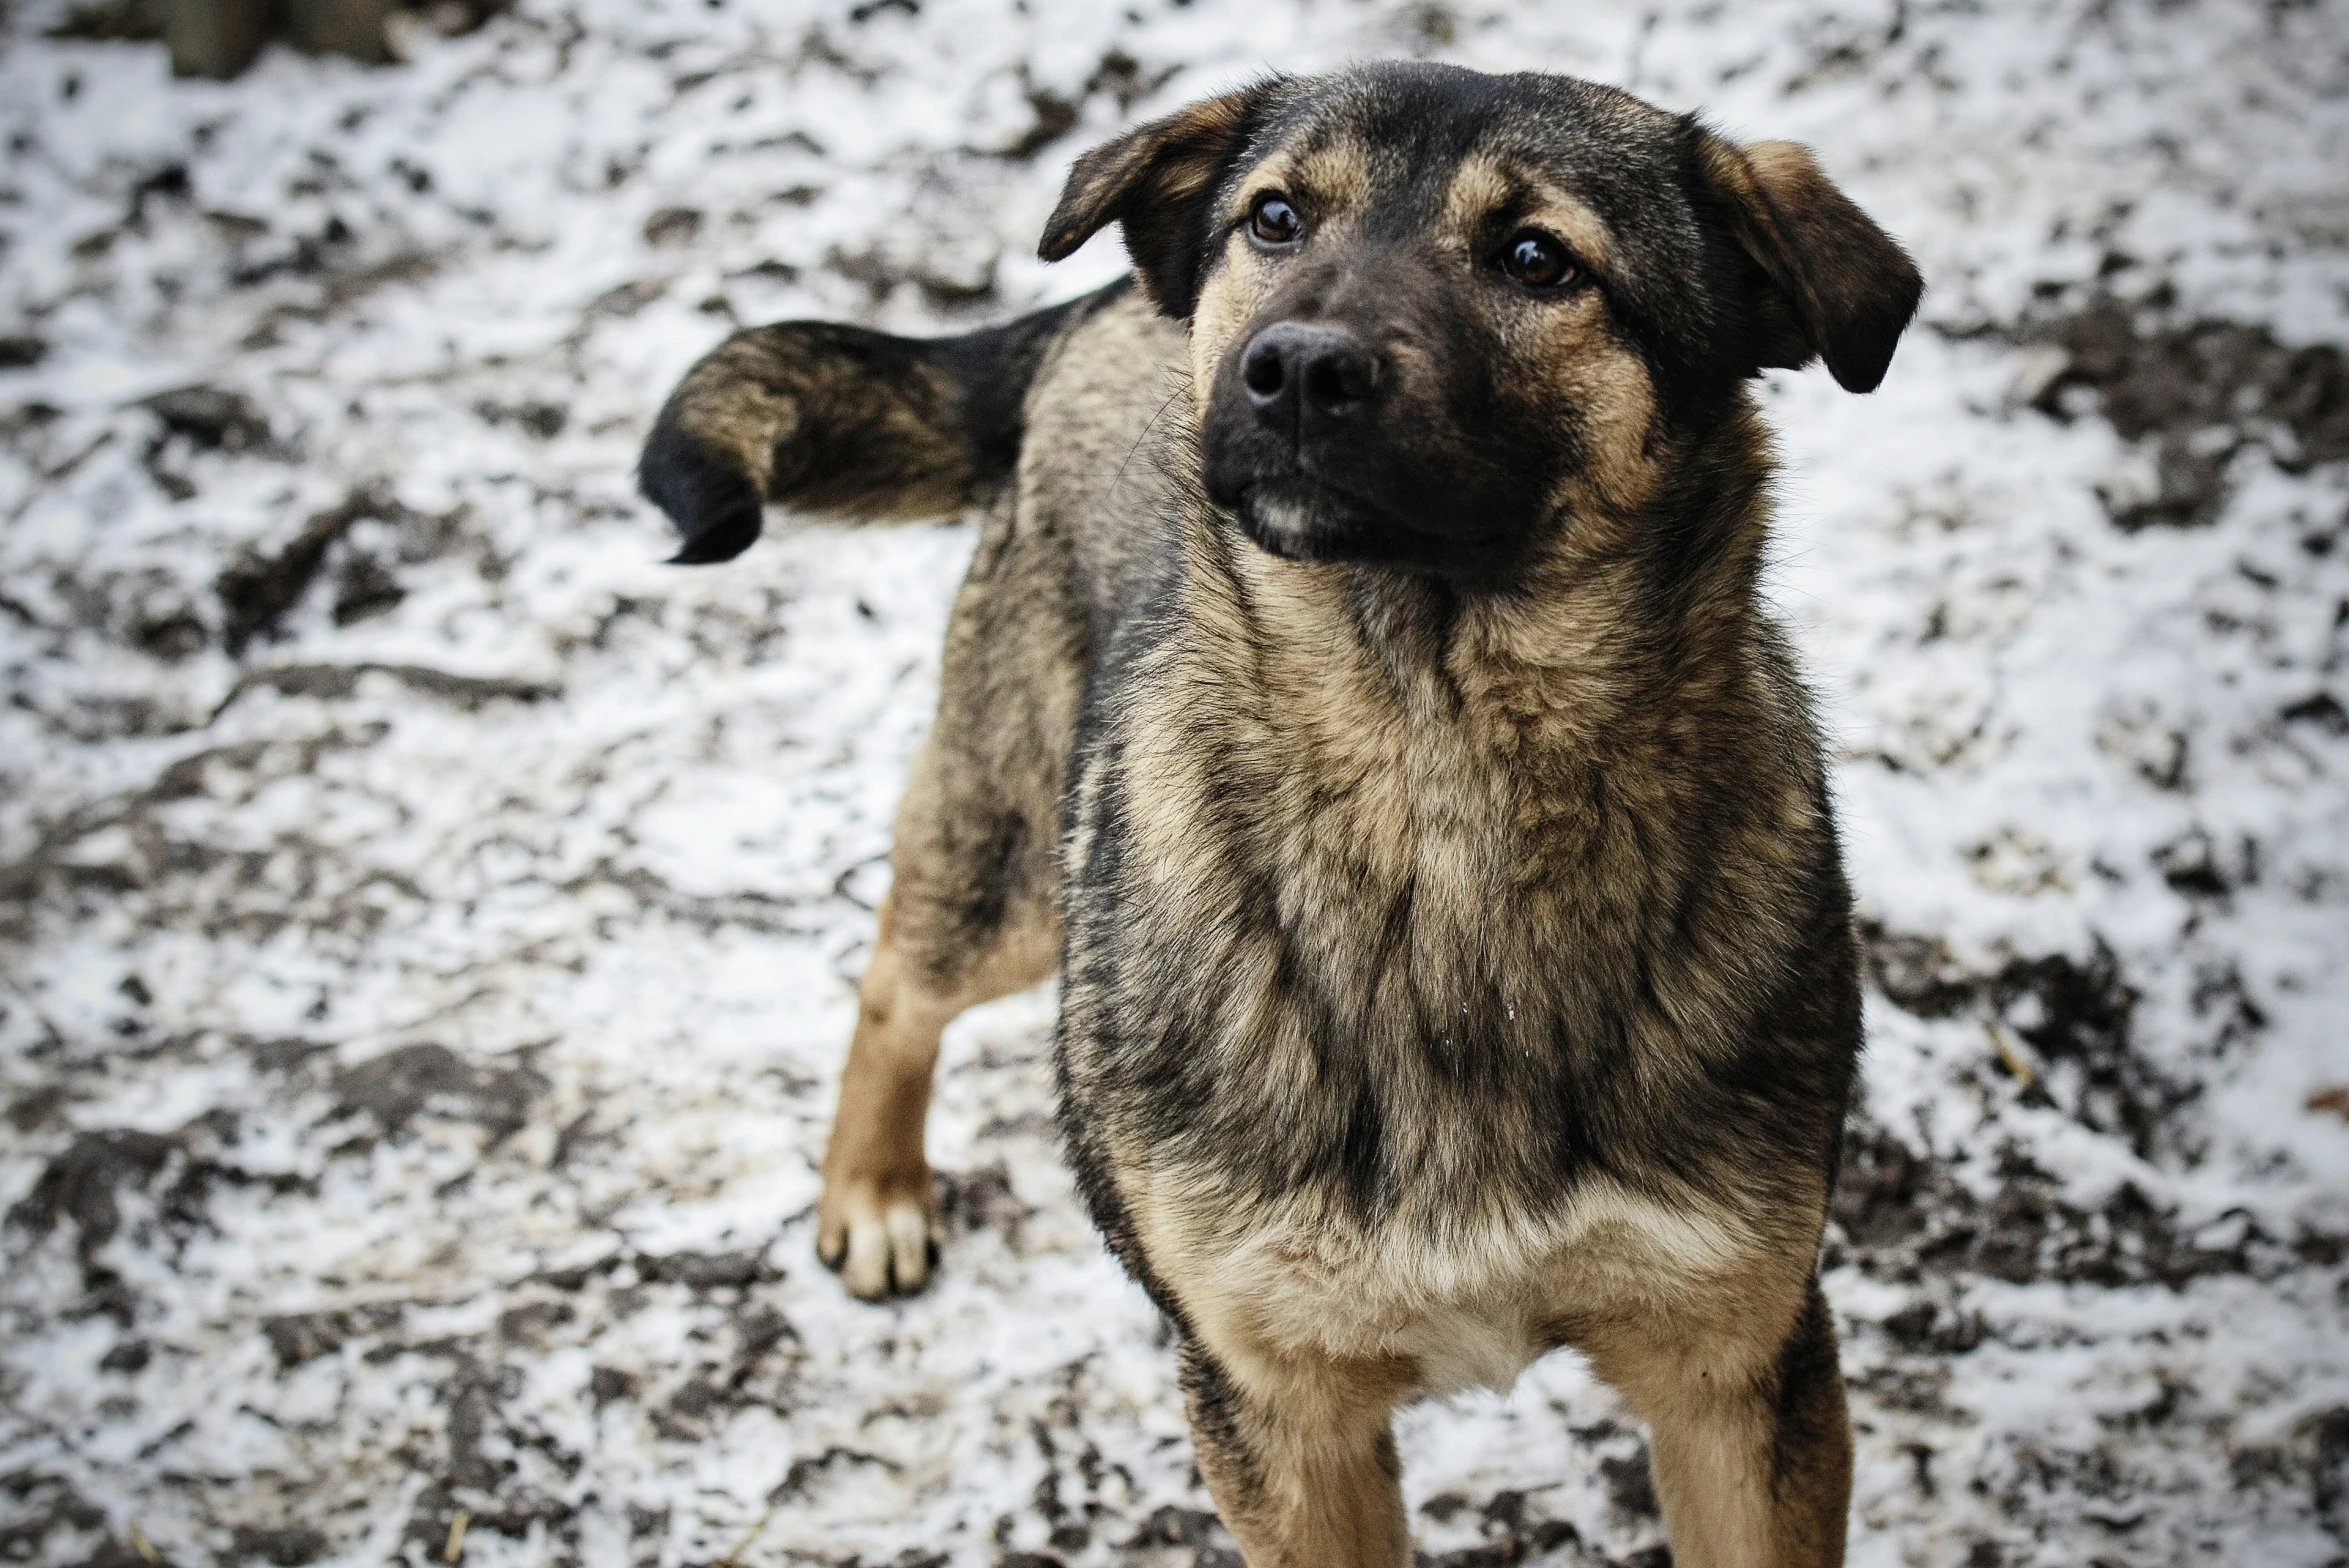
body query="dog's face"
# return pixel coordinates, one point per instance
(1436, 315)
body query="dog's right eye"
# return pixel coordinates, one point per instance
(1273, 221)
(1538, 261)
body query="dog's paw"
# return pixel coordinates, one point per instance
(880, 1235)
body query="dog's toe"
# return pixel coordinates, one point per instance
(831, 1243)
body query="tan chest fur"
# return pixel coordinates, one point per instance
(1355, 787)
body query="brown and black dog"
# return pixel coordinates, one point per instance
(1361, 696)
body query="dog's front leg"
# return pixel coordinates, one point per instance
(1299, 1453)
(1752, 1445)
(877, 1220)
(949, 939)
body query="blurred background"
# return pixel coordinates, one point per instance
(428, 924)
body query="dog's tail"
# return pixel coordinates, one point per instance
(853, 424)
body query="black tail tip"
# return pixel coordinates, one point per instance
(713, 504)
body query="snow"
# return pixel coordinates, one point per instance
(464, 1050)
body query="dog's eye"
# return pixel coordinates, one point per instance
(1538, 261)
(1273, 221)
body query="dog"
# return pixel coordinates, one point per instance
(1360, 696)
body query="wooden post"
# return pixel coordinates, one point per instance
(216, 38)
(352, 27)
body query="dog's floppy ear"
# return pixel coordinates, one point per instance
(1158, 180)
(1840, 287)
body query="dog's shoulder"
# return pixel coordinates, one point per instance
(1092, 471)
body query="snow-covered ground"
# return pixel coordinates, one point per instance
(430, 923)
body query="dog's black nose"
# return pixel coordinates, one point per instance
(1294, 366)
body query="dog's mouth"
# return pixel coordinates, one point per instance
(1298, 519)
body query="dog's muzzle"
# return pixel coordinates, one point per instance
(1290, 446)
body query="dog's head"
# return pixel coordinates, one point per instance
(1434, 314)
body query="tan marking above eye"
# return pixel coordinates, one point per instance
(1335, 174)
(1483, 187)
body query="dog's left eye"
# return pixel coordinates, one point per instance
(1538, 261)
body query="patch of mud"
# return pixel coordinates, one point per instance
(202, 419)
(1904, 1214)
(211, 419)
(289, 1546)
(257, 592)
(42, 1517)
(944, 281)
(1119, 76)
(83, 1186)
(534, 416)
(417, 1080)
(154, 856)
(2074, 1018)
(2063, 1028)
(491, 1461)
(330, 681)
(150, 1187)
(972, 1201)
(1516, 1529)
(305, 1336)
(708, 1270)
(2200, 392)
